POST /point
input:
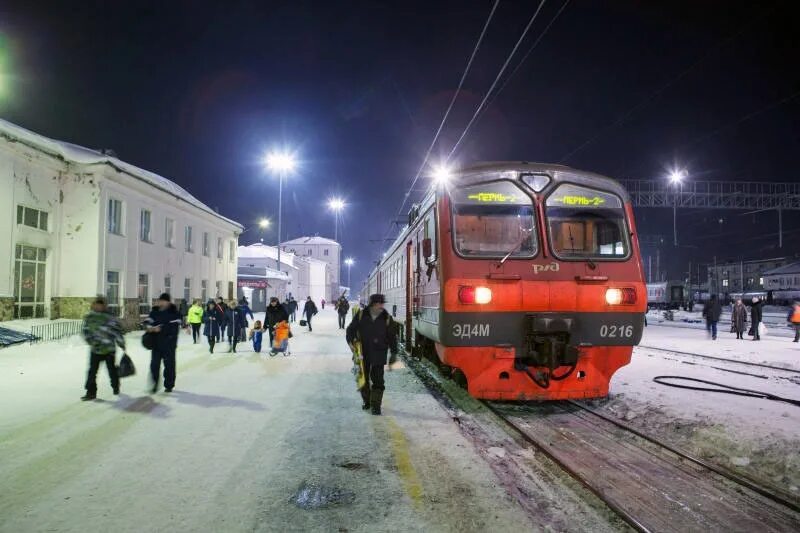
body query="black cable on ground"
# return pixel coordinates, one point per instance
(725, 389)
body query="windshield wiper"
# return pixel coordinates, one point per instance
(526, 234)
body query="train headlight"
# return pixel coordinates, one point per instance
(626, 296)
(474, 295)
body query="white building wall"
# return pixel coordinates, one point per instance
(80, 249)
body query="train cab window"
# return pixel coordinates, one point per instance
(493, 220)
(585, 223)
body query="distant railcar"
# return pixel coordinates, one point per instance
(667, 295)
(523, 280)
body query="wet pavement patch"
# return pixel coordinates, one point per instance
(310, 496)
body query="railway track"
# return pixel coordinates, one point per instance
(651, 485)
(723, 359)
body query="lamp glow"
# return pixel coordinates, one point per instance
(336, 204)
(441, 174)
(280, 161)
(263, 223)
(677, 176)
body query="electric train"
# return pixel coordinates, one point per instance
(522, 280)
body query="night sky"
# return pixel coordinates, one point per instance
(199, 91)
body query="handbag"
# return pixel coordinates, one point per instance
(126, 367)
(149, 340)
(303, 323)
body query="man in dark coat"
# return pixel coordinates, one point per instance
(756, 316)
(342, 307)
(276, 313)
(738, 319)
(234, 318)
(309, 310)
(244, 310)
(712, 311)
(165, 321)
(213, 318)
(376, 331)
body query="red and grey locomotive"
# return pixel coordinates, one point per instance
(523, 279)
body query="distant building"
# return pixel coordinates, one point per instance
(783, 283)
(306, 276)
(259, 284)
(321, 249)
(80, 223)
(742, 276)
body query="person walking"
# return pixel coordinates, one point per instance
(256, 335)
(195, 318)
(212, 324)
(756, 315)
(342, 306)
(712, 311)
(739, 318)
(276, 313)
(244, 310)
(183, 309)
(234, 318)
(375, 329)
(165, 321)
(103, 333)
(794, 320)
(323, 303)
(309, 310)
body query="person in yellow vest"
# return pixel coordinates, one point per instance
(195, 318)
(794, 320)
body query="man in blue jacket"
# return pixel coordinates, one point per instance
(165, 321)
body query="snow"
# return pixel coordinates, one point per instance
(72, 153)
(227, 450)
(311, 240)
(759, 437)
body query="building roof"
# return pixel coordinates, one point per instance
(260, 273)
(316, 239)
(72, 153)
(791, 268)
(264, 251)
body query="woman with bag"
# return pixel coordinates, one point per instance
(738, 319)
(755, 319)
(309, 310)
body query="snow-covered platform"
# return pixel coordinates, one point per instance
(245, 443)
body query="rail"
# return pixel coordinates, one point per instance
(55, 330)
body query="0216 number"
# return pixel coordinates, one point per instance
(614, 331)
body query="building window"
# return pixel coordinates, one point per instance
(230, 290)
(168, 285)
(187, 239)
(761, 281)
(232, 251)
(724, 282)
(34, 218)
(219, 248)
(204, 290)
(169, 233)
(144, 294)
(144, 226)
(187, 288)
(114, 216)
(206, 251)
(308, 252)
(326, 251)
(219, 289)
(29, 275)
(112, 292)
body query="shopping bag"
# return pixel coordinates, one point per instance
(303, 323)
(126, 367)
(149, 340)
(762, 329)
(358, 365)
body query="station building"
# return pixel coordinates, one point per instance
(302, 276)
(742, 276)
(321, 249)
(81, 222)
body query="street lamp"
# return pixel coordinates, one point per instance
(336, 205)
(349, 262)
(676, 177)
(281, 163)
(263, 223)
(441, 174)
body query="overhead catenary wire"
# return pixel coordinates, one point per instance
(447, 111)
(496, 80)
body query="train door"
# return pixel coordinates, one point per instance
(409, 283)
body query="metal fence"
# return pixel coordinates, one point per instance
(56, 330)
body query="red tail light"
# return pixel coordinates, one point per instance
(623, 296)
(474, 295)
